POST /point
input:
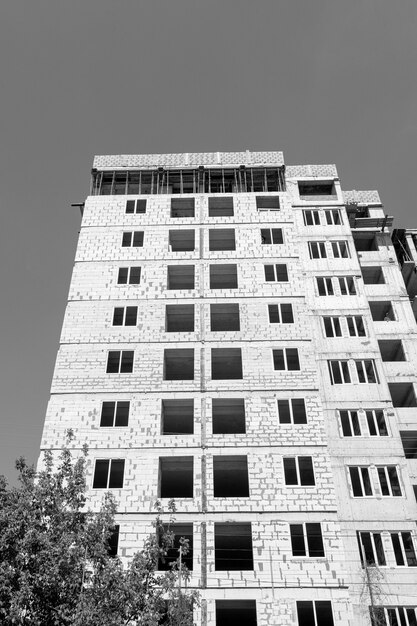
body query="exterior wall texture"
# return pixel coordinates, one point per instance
(311, 250)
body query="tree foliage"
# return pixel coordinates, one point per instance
(55, 567)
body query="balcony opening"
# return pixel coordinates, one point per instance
(176, 477)
(223, 276)
(267, 202)
(373, 275)
(230, 477)
(179, 318)
(220, 207)
(178, 417)
(179, 364)
(222, 239)
(182, 240)
(402, 395)
(233, 547)
(182, 207)
(180, 531)
(391, 350)
(180, 277)
(224, 317)
(382, 311)
(226, 363)
(314, 190)
(409, 441)
(228, 416)
(236, 613)
(365, 241)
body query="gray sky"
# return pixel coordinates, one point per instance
(329, 81)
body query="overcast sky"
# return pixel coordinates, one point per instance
(326, 81)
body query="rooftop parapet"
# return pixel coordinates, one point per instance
(362, 197)
(305, 171)
(189, 159)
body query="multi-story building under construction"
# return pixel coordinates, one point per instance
(239, 337)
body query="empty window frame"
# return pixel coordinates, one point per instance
(292, 411)
(281, 313)
(108, 474)
(393, 616)
(180, 533)
(325, 286)
(409, 441)
(402, 544)
(276, 273)
(299, 471)
(228, 416)
(333, 217)
(222, 239)
(311, 217)
(128, 276)
(226, 363)
(177, 416)
(332, 327)
(314, 613)
(307, 540)
(312, 189)
(361, 482)
(352, 427)
(223, 276)
(356, 327)
(114, 414)
(340, 249)
(366, 371)
(402, 394)
(371, 549)
(182, 207)
(176, 477)
(180, 277)
(220, 207)
(113, 541)
(286, 359)
(224, 317)
(230, 477)
(132, 239)
(271, 236)
(136, 206)
(388, 481)
(179, 364)
(339, 372)
(317, 250)
(268, 202)
(181, 240)
(125, 316)
(391, 350)
(347, 285)
(382, 311)
(238, 613)
(120, 362)
(373, 275)
(179, 318)
(233, 547)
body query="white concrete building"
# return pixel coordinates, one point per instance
(238, 336)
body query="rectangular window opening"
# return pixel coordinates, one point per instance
(179, 532)
(220, 207)
(182, 240)
(409, 441)
(177, 417)
(228, 416)
(391, 350)
(292, 411)
(382, 311)
(314, 613)
(179, 364)
(176, 477)
(230, 477)
(233, 547)
(402, 395)
(180, 277)
(224, 317)
(373, 275)
(365, 241)
(114, 414)
(312, 190)
(226, 363)
(236, 613)
(268, 202)
(271, 236)
(182, 207)
(222, 239)
(223, 276)
(179, 318)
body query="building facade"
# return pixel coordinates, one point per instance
(239, 337)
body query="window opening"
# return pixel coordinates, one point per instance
(271, 236)
(176, 477)
(182, 240)
(299, 471)
(114, 414)
(223, 276)
(108, 474)
(292, 411)
(226, 363)
(230, 477)
(224, 317)
(286, 359)
(233, 546)
(177, 417)
(179, 318)
(120, 362)
(306, 540)
(125, 316)
(128, 276)
(180, 277)
(228, 416)
(179, 364)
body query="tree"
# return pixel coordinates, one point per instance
(55, 566)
